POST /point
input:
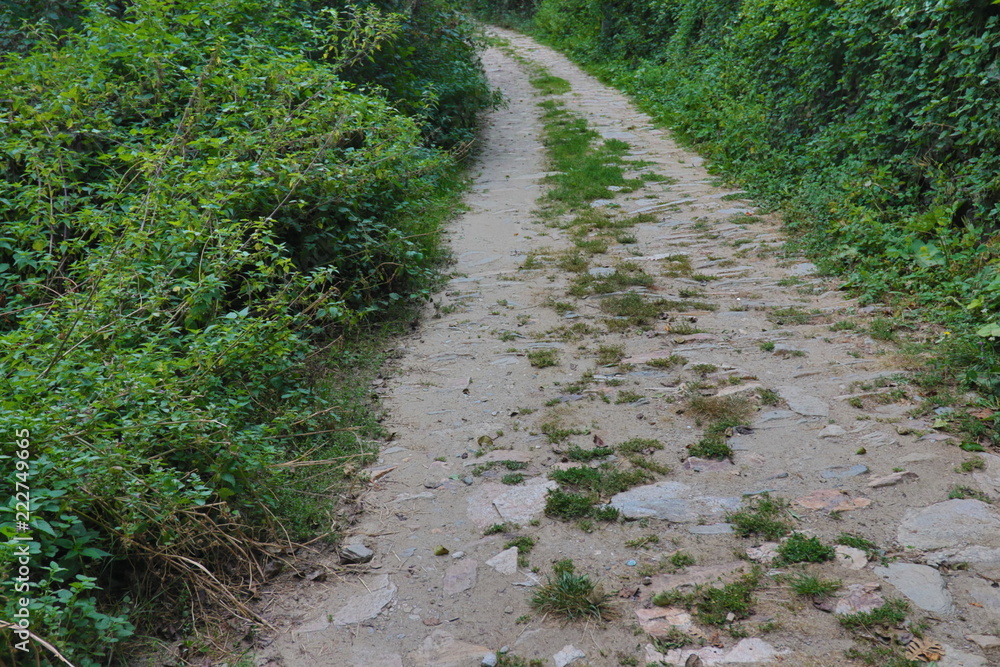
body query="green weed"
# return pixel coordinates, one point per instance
(667, 362)
(963, 492)
(608, 355)
(573, 596)
(581, 455)
(556, 434)
(627, 396)
(810, 586)
(971, 464)
(639, 446)
(603, 481)
(801, 549)
(763, 515)
(888, 616)
(543, 358)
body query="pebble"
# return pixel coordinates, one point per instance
(567, 655)
(490, 660)
(850, 557)
(631, 563)
(892, 480)
(468, 481)
(354, 554)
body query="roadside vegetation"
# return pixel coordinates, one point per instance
(209, 213)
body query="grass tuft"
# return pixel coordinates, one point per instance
(763, 515)
(573, 596)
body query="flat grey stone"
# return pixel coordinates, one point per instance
(983, 593)
(892, 479)
(833, 431)
(923, 585)
(711, 529)
(803, 269)
(356, 553)
(802, 403)
(858, 598)
(955, 658)
(851, 558)
(362, 607)
(460, 577)
(984, 641)
(569, 654)
(843, 472)
(989, 478)
(706, 465)
(441, 649)
(599, 271)
(504, 562)
(772, 415)
(950, 524)
(663, 501)
(522, 503)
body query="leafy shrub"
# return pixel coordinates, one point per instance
(194, 215)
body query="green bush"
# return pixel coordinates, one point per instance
(196, 208)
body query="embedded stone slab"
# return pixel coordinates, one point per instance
(922, 584)
(950, 524)
(504, 562)
(663, 501)
(746, 651)
(367, 605)
(441, 649)
(832, 500)
(662, 621)
(522, 503)
(802, 403)
(568, 655)
(460, 577)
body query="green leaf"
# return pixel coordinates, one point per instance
(94, 552)
(926, 254)
(990, 330)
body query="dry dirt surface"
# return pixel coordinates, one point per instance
(829, 420)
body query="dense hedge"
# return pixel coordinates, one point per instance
(193, 198)
(873, 123)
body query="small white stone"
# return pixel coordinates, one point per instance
(567, 655)
(851, 558)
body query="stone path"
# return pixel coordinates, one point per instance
(840, 440)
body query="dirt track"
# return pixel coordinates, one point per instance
(457, 381)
